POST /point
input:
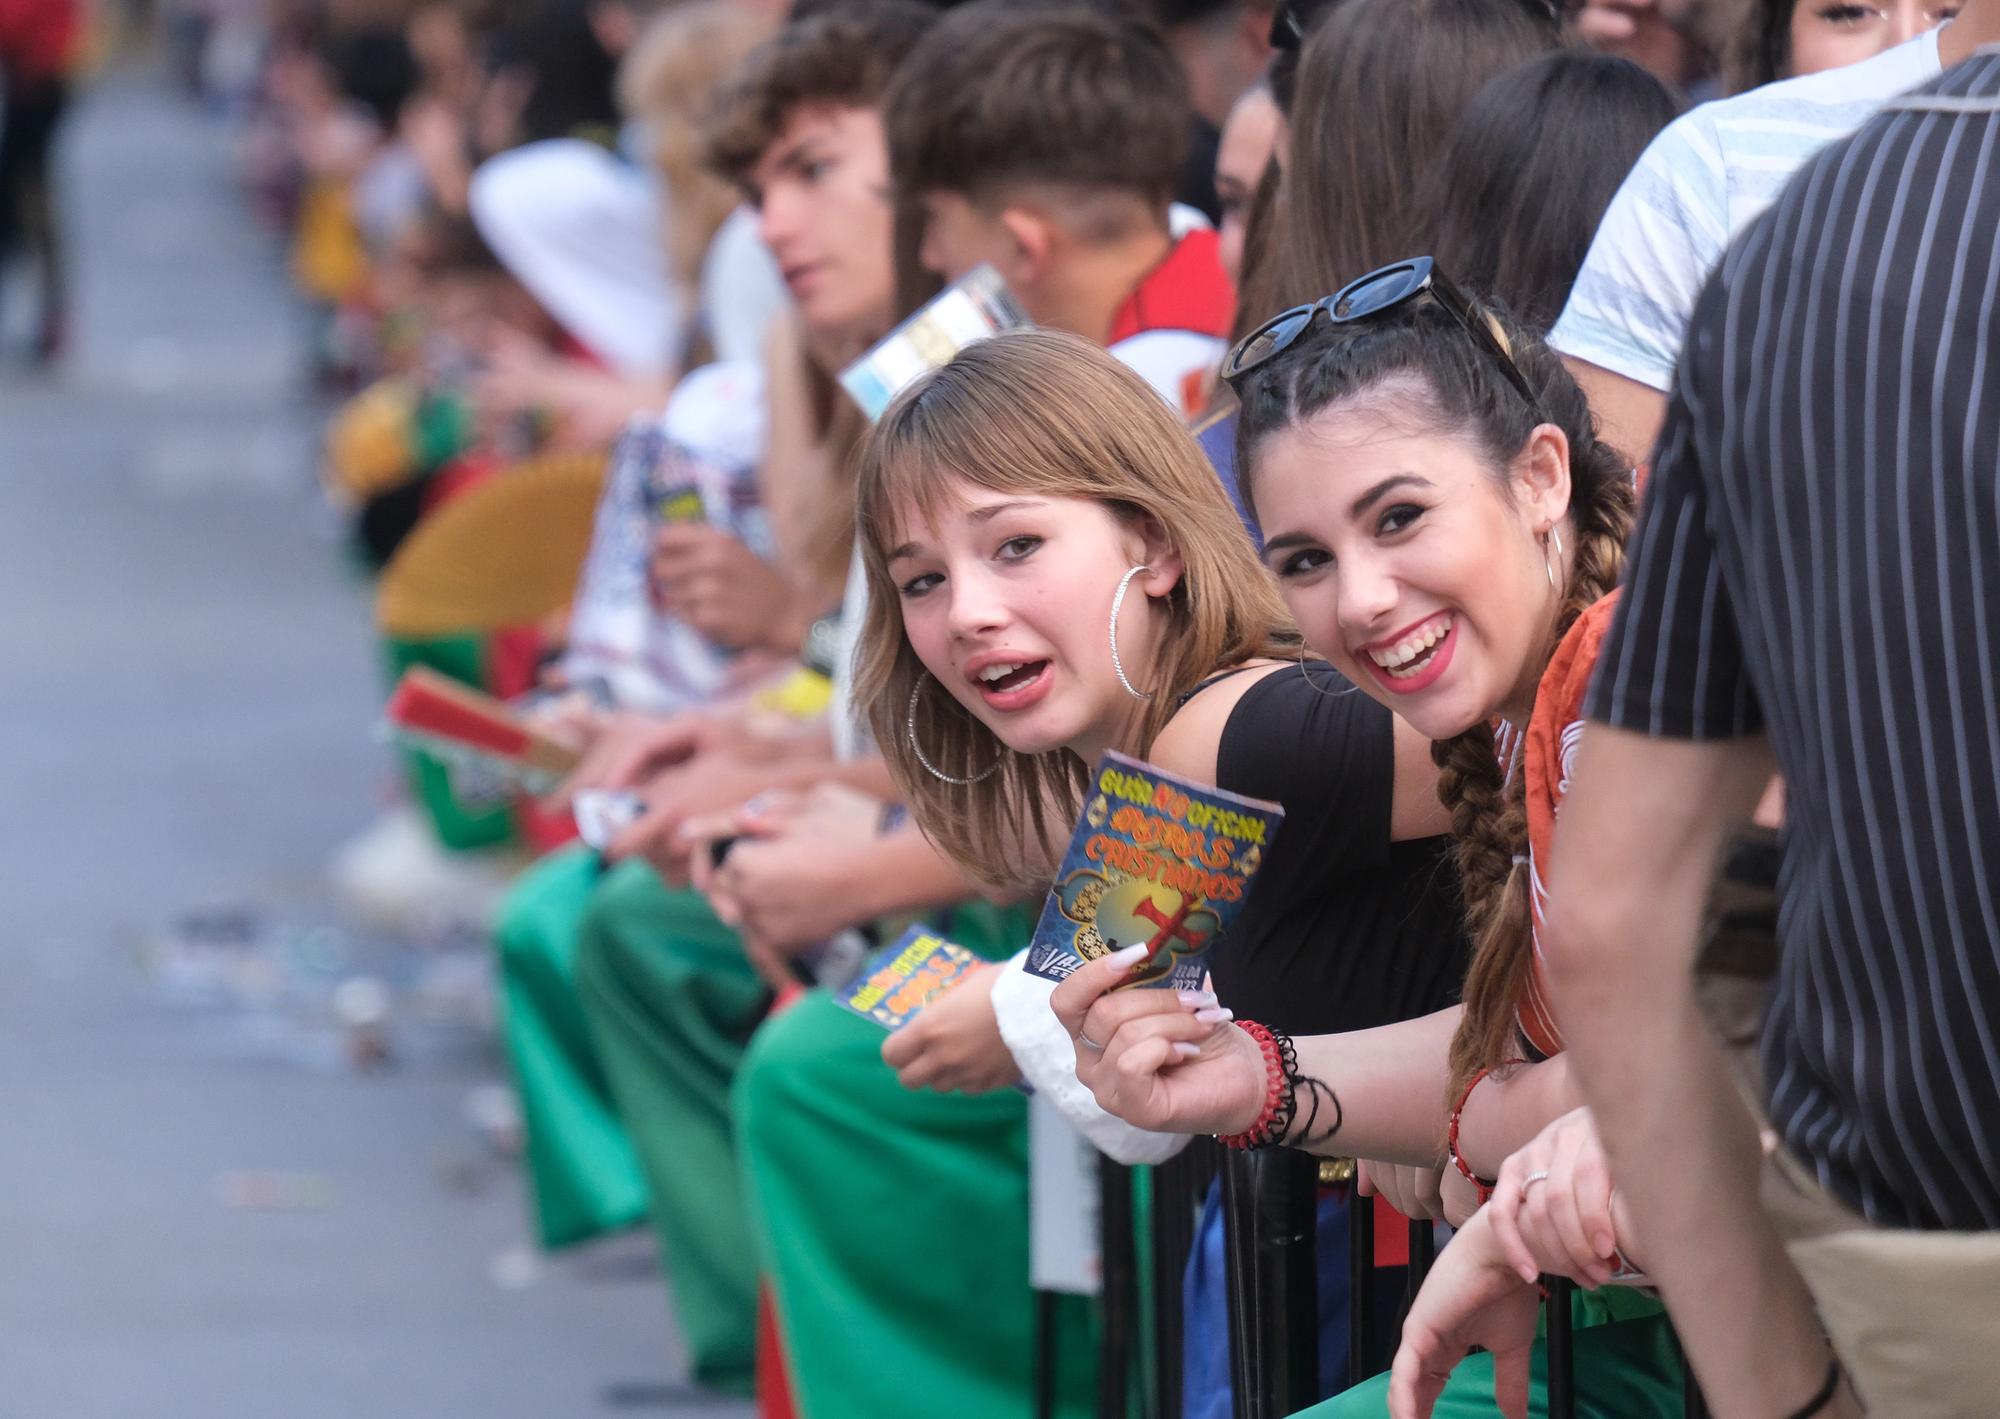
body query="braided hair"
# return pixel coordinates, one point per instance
(1440, 380)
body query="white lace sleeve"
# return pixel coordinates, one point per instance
(1047, 1058)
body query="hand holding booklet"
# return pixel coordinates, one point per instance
(1156, 859)
(903, 977)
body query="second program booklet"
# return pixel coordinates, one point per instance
(1155, 859)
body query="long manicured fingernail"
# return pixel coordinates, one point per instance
(1122, 961)
(1186, 1050)
(1528, 1274)
(1215, 1016)
(1197, 999)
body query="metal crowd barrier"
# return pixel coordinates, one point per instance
(1270, 1229)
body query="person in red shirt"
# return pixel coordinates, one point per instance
(38, 40)
(986, 138)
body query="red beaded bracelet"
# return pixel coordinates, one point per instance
(1275, 1090)
(1484, 1186)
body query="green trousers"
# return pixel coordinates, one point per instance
(1627, 1367)
(582, 1177)
(671, 1003)
(894, 1223)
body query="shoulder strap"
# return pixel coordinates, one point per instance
(1217, 678)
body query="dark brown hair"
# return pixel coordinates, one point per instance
(1450, 385)
(1536, 158)
(840, 56)
(1000, 96)
(1381, 86)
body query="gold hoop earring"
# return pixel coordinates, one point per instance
(910, 731)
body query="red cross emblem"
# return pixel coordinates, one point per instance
(1172, 928)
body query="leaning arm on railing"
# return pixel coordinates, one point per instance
(1635, 852)
(1471, 1298)
(1377, 1093)
(1506, 1109)
(1553, 1212)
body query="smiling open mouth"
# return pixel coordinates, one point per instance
(1409, 657)
(1000, 679)
(1417, 657)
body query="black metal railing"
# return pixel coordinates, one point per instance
(1270, 1229)
(1180, 1186)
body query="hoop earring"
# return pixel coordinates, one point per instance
(1118, 664)
(910, 729)
(1548, 565)
(1306, 676)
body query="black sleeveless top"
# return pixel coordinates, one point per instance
(1343, 929)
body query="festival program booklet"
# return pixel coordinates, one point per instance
(976, 305)
(903, 977)
(1154, 859)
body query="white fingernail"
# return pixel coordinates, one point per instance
(1197, 999)
(1130, 956)
(1186, 1050)
(1215, 1016)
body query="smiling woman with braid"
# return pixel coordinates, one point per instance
(1448, 531)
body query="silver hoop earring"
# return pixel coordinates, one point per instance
(910, 729)
(1306, 675)
(1549, 566)
(1118, 664)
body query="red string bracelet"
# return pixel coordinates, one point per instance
(1277, 1086)
(1483, 1185)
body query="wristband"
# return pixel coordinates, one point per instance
(1284, 1085)
(1483, 1185)
(1280, 1097)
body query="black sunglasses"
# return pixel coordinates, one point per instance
(1381, 290)
(1293, 19)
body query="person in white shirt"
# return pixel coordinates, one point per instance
(1703, 180)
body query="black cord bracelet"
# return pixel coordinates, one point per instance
(1827, 1390)
(1302, 1092)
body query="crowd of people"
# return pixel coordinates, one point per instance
(1537, 444)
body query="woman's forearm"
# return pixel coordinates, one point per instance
(1389, 1084)
(1504, 1113)
(906, 873)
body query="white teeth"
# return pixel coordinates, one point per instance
(1404, 651)
(998, 672)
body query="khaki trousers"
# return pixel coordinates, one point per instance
(1915, 1316)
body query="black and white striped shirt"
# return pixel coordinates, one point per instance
(1819, 560)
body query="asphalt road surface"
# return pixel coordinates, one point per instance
(204, 1211)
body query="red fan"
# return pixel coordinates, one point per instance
(435, 712)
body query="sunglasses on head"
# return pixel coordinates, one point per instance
(1380, 291)
(1294, 19)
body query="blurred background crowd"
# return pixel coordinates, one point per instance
(569, 284)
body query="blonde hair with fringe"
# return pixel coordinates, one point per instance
(1045, 414)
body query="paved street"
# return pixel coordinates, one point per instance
(203, 1210)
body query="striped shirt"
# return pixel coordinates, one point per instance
(1819, 560)
(1703, 180)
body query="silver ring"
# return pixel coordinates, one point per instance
(1088, 1043)
(1539, 1175)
